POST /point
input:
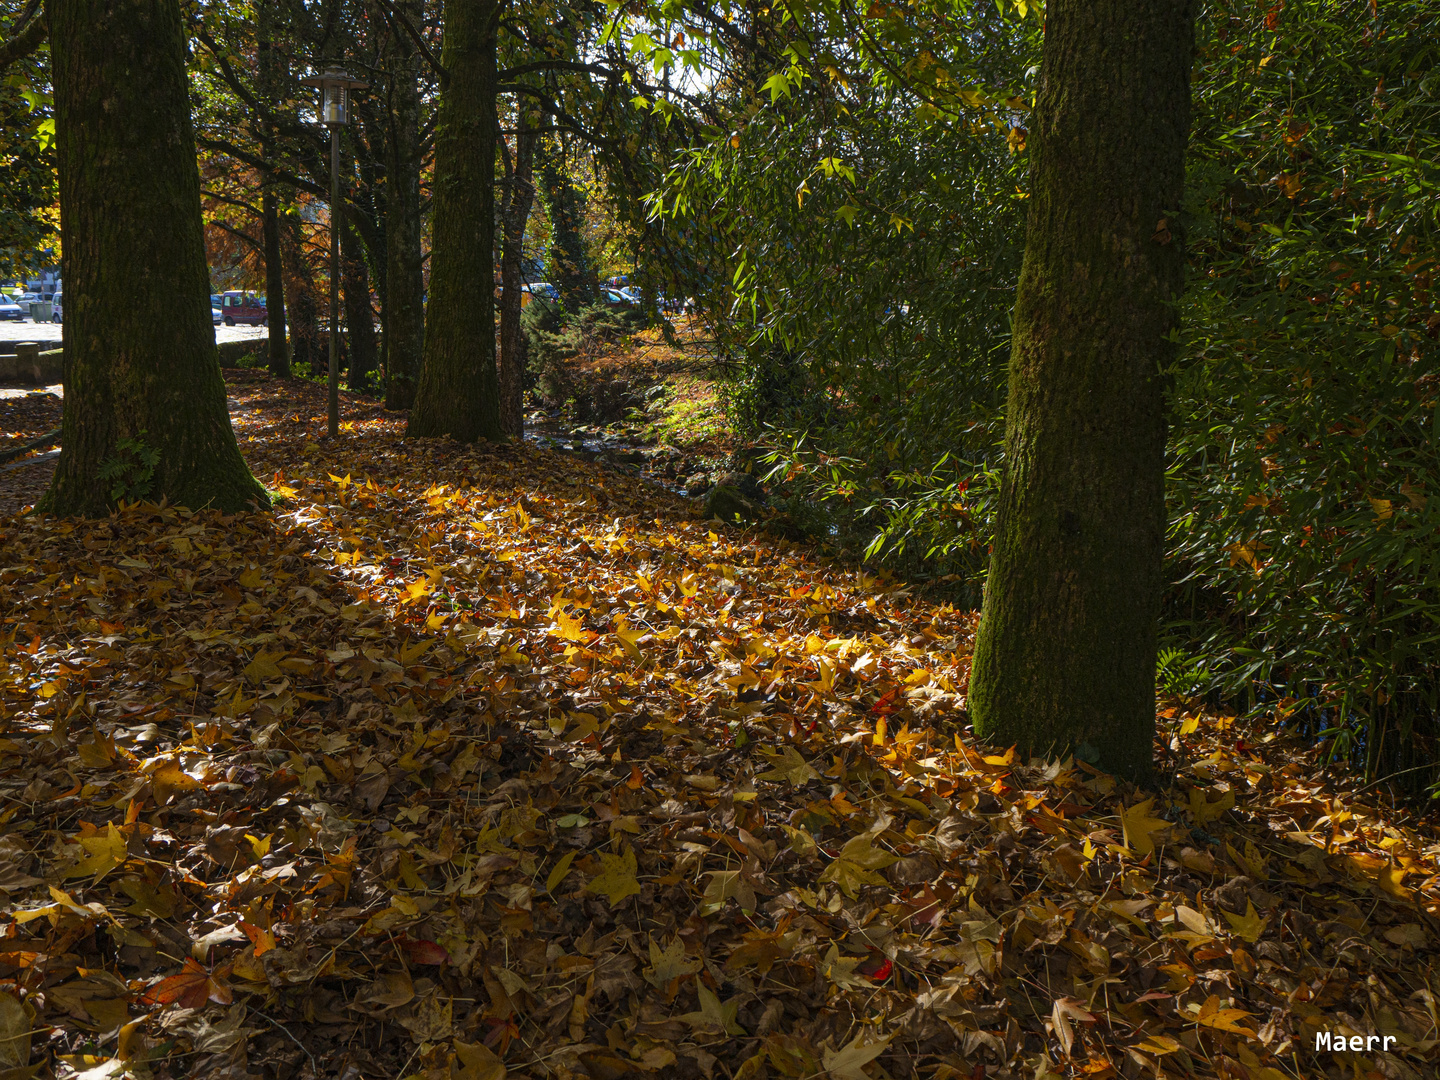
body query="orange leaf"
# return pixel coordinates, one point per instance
(263, 940)
(194, 986)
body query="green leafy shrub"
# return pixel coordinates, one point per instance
(554, 338)
(130, 471)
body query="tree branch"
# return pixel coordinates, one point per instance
(24, 43)
(393, 17)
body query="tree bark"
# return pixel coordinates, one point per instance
(143, 389)
(359, 315)
(404, 275)
(301, 300)
(268, 79)
(1065, 655)
(279, 362)
(24, 43)
(519, 199)
(458, 393)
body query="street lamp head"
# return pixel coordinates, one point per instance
(335, 84)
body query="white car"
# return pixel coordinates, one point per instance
(215, 316)
(543, 289)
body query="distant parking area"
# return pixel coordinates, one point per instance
(50, 332)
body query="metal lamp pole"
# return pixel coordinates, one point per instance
(335, 85)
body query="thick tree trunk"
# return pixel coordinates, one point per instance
(279, 352)
(570, 269)
(458, 394)
(359, 315)
(143, 390)
(404, 276)
(519, 200)
(1065, 655)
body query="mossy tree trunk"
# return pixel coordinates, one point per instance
(519, 200)
(1065, 655)
(404, 275)
(458, 393)
(268, 87)
(141, 363)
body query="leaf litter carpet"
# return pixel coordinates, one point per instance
(486, 762)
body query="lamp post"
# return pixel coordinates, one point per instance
(335, 84)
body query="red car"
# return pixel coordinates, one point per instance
(241, 307)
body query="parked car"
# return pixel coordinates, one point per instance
(542, 289)
(9, 309)
(216, 299)
(215, 315)
(242, 307)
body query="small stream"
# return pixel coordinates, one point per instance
(659, 465)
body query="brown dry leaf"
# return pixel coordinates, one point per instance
(15, 1034)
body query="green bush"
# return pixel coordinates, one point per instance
(554, 337)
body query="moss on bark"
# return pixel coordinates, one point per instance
(141, 362)
(1065, 655)
(458, 393)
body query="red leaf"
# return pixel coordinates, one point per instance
(424, 952)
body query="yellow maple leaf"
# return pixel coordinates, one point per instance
(1204, 811)
(788, 765)
(1248, 926)
(1160, 1044)
(106, 850)
(724, 885)
(569, 627)
(417, 590)
(856, 865)
(263, 667)
(617, 878)
(629, 639)
(1390, 879)
(1139, 824)
(476, 1061)
(1212, 1016)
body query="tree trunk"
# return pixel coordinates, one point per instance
(274, 285)
(570, 269)
(519, 200)
(404, 276)
(279, 352)
(145, 412)
(458, 394)
(359, 315)
(1065, 654)
(301, 301)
